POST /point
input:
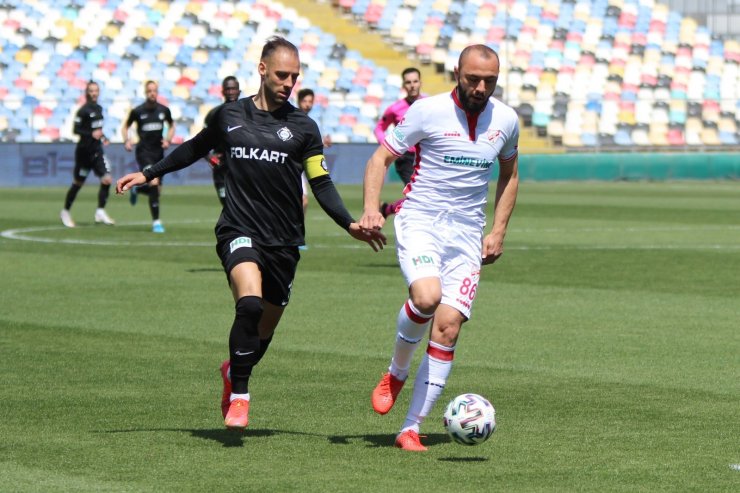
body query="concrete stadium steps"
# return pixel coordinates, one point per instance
(370, 44)
(531, 143)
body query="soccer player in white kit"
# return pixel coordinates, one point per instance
(439, 229)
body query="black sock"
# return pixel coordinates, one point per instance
(103, 195)
(71, 195)
(154, 202)
(244, 342)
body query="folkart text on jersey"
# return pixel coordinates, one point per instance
(258, 154)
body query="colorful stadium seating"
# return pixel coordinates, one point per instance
(631, 65)
(50, 49)
(585, 73)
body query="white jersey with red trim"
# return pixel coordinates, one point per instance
(456, 153)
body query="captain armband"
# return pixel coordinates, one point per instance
(315, 166)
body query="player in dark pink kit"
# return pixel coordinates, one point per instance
(393, 115)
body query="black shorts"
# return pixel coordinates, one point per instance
(146, 158)
(277, 264)
(87, 160)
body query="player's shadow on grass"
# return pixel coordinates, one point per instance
(385, 440)
(463, 459)
(231, 438)
(228, 438)
(204, 269)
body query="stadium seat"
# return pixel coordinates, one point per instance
(619, 59)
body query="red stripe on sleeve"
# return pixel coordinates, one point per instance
(393, 151)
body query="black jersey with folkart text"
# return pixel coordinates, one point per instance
(88, 119)
(150, 129)
(264, 153)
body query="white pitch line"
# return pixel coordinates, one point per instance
(628, 229)
(22, 234)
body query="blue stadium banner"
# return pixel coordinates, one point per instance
(40, 165)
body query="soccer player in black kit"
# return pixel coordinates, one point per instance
(230, 91)
(150, 118)
(268, 143)
(89, 156)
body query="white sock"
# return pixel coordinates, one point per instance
(156, 222)
(99, 209)
(411, 327)
(234, 396)
(430, 382)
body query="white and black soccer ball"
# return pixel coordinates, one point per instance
(470, 419)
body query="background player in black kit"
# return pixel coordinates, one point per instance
(89, 156)
(230, 91)
(268, 143)
(150, 118)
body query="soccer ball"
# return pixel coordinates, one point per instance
(470, 419)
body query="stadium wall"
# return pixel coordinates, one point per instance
(38, 165)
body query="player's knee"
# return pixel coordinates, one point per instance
(249, 307)
(426, 302)
(106, 180)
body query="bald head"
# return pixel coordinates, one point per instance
(476, 73)
(481, 51)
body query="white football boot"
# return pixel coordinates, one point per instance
(102, 217)
(67, 218)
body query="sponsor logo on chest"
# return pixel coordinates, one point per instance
(151, 127)
(467, 161)
(258, 154)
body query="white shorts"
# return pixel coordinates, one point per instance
(442, 246)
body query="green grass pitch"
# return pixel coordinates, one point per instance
(607, 337)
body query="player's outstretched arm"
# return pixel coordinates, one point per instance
(375, 171)
(330, 201)
(506, 192)
(130, 180)
(372, 237)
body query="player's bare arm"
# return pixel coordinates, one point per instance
(506, 192)
(375, 171)
(127, 144)
(170, 134)
(128, 181)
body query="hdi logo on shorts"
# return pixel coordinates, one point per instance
(241, 242)
(422, 260)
